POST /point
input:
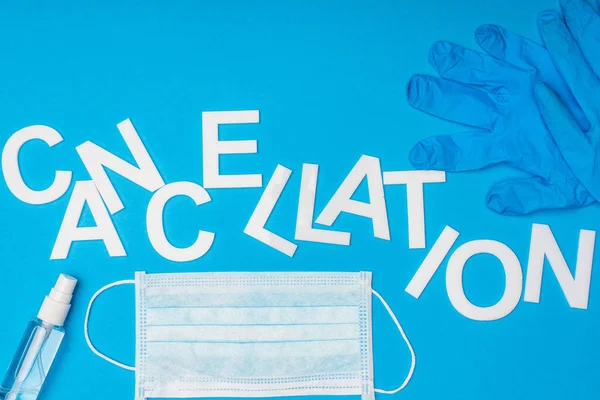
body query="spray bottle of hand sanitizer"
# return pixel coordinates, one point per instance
(40, 343)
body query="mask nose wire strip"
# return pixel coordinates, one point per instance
(87, 318)
(412, 352)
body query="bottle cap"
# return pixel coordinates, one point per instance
(57, 303)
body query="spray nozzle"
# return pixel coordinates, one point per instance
(63, 289)
(58, 303)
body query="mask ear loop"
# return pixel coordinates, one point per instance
(87, 318)
(412, 352)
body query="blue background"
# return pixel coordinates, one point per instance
(329, 79)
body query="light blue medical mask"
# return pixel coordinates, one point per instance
(254, 334)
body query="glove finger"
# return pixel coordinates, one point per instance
(463, 65)
(452, 101)
(513, 48)
(458, 152)
(595, 4)
(529, 195)
(530, 56)
(570, 62)
(584, 25)
(571, 141)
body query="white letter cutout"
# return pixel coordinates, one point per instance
(414, 181)
(306, 210)
(12, 173)
(432, 262)
(370, 168)
(95, 158)
(543, 244)
(155, 227)
(86, 192)
(263, 210)
(514, 280)
(212, 147)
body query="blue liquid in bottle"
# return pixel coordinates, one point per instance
(40, 343)
(32, 361)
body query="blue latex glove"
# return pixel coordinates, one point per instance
(485, 92)
(574, 45)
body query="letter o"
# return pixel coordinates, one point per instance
(512, 270)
